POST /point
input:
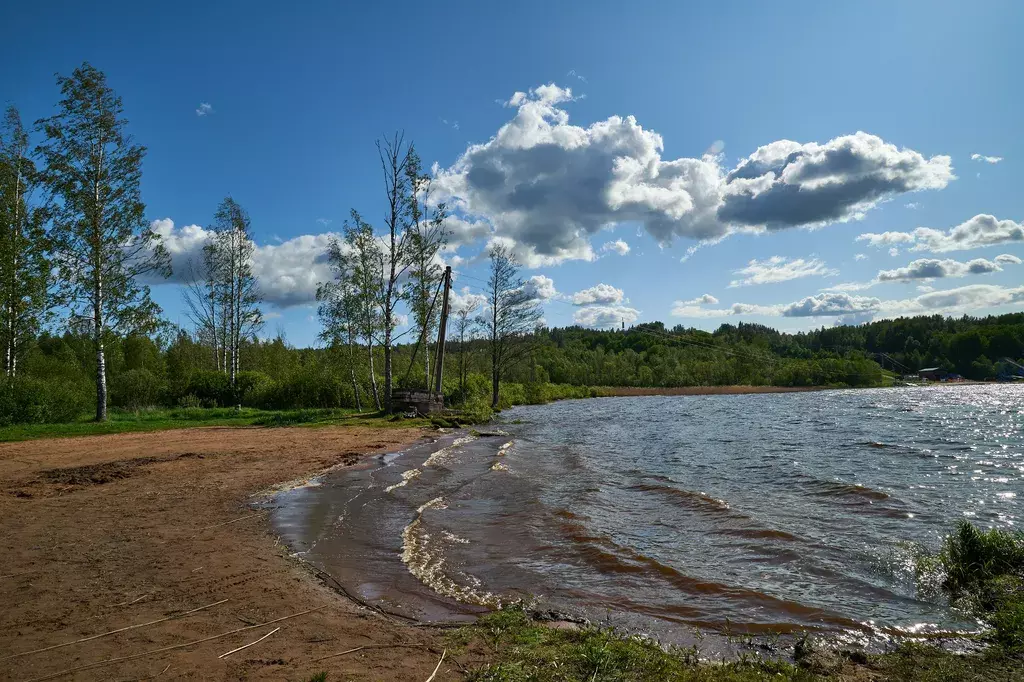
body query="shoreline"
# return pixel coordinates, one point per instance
(136, 531)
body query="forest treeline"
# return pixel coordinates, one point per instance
(79, 329)
(178, 369)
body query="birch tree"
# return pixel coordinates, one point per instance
(101, 242)
(512, 316)
(427, 237)
(230, 254)
(394, 257)
(24, 270)
(363, 267)
(203, 297)
(340, 309)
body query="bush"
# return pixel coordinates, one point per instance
(985, 574)
(211, 387)
(311, 387)
(255, 389)
(25, 400)
(135, 389)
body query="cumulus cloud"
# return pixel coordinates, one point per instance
(986, 159)
(779, 269)
(981, 230)
(204, 109)
(859, 256)
(288, 273)
(466, 300)
(618, 246)
(549, 185)
(844, 305)
(599, 293)
(540, 287)
(933, 268)
(703, 299)
(603, 316)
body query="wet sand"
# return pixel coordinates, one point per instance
(101, 533)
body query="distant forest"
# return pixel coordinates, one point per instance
(174, 369)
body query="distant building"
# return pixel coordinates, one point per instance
(932, 374)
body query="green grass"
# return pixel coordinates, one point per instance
(160, 419)
(521, 651)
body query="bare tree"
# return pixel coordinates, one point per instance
(202, 296)
(394, 257)
(427, 237)
(465, 330)
(512, 316)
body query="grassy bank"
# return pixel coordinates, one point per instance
(982, 573)
(161, 419)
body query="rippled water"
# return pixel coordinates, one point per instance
(755, 513)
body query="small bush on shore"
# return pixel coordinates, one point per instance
(984, 574)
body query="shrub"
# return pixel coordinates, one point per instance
(26, 400)
(211, 387)
(135, 389)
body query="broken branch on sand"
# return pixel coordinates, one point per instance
(114, 632)
(246, 646)
(119, 659)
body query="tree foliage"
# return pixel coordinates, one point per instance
(101, 242)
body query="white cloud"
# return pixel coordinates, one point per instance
(288, 272)
(618, 246)
(986, 159)
(324, 221)
(981, 230)
(850, 286)
(549, 186)
(912, 205)
(859, 256)
(703, 299)
(894, 252)
(540, 287)
(933, 268)
(836, 304)
(604, 316)
(466, 300)
(204, 109)
(779, 269)
(599, 293)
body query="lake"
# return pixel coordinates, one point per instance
(756, 514)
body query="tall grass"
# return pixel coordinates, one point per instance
(984, 575)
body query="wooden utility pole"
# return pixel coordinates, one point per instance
(439, 368)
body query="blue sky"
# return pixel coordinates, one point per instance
(296, 96)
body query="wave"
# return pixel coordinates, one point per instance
(606, 556)
(444, 455)
(425, 559)
(689, 498)
(821, 487)
(406, 477)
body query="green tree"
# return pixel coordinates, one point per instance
(24, 270)
(340, 308)
(236, 289)
(101, 242)
(511, 318)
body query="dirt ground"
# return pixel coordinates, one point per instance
(101, 533)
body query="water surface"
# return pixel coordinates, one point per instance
(756, 514)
